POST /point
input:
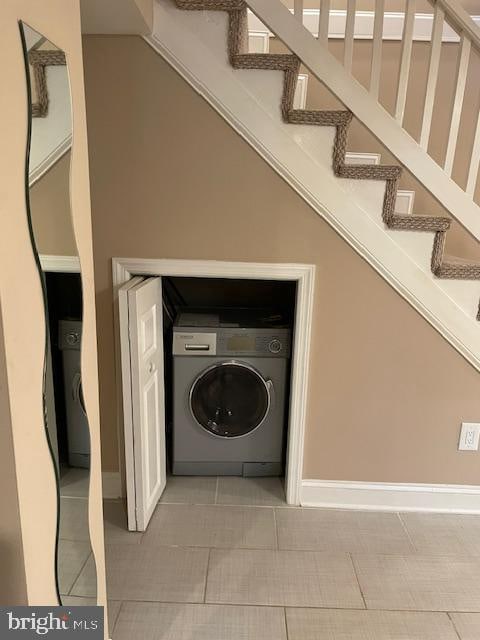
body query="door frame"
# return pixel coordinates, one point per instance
(303, 274)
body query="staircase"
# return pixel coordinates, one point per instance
(51, 110)
(406, 248)
(39, 59)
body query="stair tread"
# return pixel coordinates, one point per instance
(325, 118)
(415, 222)
(211, 5)
(266, 61)
(409, 222)
(427, 216)
(369, 171)
(449, 271)
(374, 167)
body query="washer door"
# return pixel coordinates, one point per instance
(230, 399)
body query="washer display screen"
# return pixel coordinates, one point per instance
(229, 400)
(241, 343)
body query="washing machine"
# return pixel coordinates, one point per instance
(230, 375)
(78, 435)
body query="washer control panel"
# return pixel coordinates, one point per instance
(194, 343)
(232, 341)
(72, 338)
(69, 334)
(275, 346)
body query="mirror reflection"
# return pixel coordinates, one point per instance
(48, 198)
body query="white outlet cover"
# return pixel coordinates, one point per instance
(469, 436)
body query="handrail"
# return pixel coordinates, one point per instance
(461, 19)
(365, 106)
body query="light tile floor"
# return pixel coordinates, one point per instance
(74, 544)
(74, 482)
(226, 559)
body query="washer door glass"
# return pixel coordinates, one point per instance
(230, 400)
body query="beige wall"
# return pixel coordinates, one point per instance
(22, 304)
(117, 16)
(50, 210)
(146, 9)
(13, 589)
(387, 392)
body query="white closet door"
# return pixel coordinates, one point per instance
(141, 329)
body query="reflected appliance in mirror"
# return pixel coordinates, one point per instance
(47, 178)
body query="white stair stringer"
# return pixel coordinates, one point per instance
(194, 43)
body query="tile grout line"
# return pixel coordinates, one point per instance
(282, 606)
(407, 533)
(78, 576)
(216, 491)
(206, 577)
(153, 545)
(75, 540)
(457, 632)
(324, 550)
(286, 623)
(228, 504)
(116, 618)
(276, 530)
(358, 580)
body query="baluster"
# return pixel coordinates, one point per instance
(349, 35)
(462, 69)
(298, 10)
(323, 22)
(474, 161)
(436, 47)
(377, 48)
(407, 38)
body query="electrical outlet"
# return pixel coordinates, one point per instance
(469, 436)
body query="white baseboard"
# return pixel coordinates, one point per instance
(111, 485)
(440, 498)
(353, 157)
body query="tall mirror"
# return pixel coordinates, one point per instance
(47, 176)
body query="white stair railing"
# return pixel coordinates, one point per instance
(377, 48)
(449, 21)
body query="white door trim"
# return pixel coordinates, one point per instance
(303, 275)
(60, 264)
